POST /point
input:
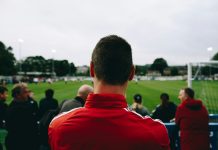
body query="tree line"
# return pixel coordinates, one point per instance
(40, 64)
(159, 65)
(10, 66)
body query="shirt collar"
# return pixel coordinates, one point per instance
(105, 101)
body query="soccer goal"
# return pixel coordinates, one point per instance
(203, 78)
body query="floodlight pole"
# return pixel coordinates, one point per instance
(210, 49)
(53, 71)
(189, 75)
(20, 41)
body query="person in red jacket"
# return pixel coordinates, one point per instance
(192, 119)
(105, 123)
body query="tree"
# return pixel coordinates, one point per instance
(34, 63)
(141, 70)
(7, 60)
(174, 71)
(61, 67)
(40, 64)
(72, 70)
(215, 57)
(159, 64)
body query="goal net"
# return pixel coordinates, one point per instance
(203, 78)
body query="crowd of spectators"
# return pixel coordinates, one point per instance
(26, 122)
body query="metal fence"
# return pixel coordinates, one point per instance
(173, 132)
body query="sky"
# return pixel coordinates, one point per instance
(180, 31)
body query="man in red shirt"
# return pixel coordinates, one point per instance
(192, 119)
(105, 123)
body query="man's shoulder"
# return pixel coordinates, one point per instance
(53, 100)
(32, 102)
(71, 101)
(43, 100)
(70, 104)
(172, 105)
(62, 117)
(180, 106)
(158, 107)
(147, 120)
(157, 129)
(154, 123)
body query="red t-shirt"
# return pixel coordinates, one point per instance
(192, 119)
(105, 123)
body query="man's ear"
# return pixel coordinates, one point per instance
(132, 73)
(92, 74)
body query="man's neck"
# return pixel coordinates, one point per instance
(101, 87)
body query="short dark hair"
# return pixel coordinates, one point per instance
(17, 90)
(138, 98)
(190, 92)
(112, 59)
(3, 89)
(164, 96)
(49, 93)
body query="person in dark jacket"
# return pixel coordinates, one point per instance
(79, 100)
(3, 108)
(32, 103)
(20, 122)
(192, 119)
(166, 110)
(47, 103)
(3, 105)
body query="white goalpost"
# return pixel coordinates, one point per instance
(203, 78)
(199, 64)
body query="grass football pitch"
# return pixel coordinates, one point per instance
(150, 91)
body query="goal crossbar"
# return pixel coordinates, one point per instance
(189, 75)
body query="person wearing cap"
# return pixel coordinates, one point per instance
(192, 119)
(138, 107)
(105, 122)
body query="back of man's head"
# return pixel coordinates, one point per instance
(164, 97)
(49, 93)
(138, 98)
(84, 91)
(112, 60)
(19, 91)
(189, 92)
